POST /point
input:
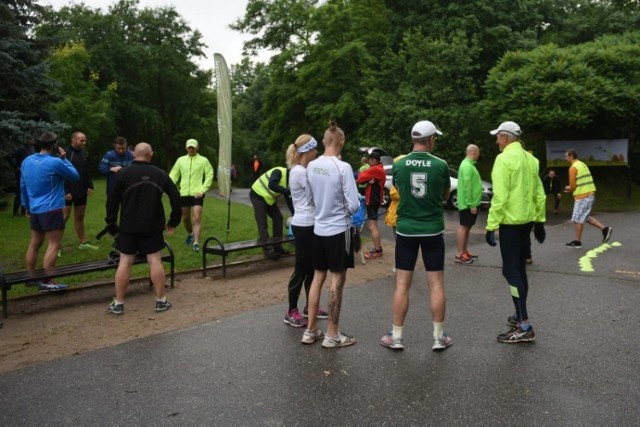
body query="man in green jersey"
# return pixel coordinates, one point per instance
(518, 203)
(469, 198)
(423, 182)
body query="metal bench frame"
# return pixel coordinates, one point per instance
(223, 249)
(7, 280)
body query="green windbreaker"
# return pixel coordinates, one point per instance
(194, 173)
(469, 185)
(518, 196)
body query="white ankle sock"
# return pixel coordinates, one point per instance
(438, 329)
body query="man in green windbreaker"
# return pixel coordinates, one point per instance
(193, 174)
(518, 203)
(469, 195)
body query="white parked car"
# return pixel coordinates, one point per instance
(387, 161)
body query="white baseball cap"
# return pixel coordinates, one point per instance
(423, 129)
(511, 127)
(191, 143)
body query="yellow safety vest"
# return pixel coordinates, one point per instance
(261, 186)
(584, 180)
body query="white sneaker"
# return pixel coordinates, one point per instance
(309, 336)
(441, 343)
(340, 340)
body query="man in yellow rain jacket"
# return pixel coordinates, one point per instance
(518, 201)
(193, 174)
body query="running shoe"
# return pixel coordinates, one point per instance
(512, 321)
(162, 305)
(321, 313)
(606, 234)
(295, 319)
(517, 335)
(87, 245)
(189, 240)
(309, 336)
(389, 341)
(340, 340)
(51, 287)
(470, 255)
(574, 244)
(463, 259)
(374, 254)
(114, 308)
(196, 247)
(441, 343)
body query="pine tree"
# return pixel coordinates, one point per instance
(25, 88)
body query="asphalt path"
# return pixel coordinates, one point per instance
(251, 369)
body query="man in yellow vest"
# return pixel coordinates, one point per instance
(264, 197)
(584, 192)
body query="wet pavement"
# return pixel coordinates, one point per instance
(250, 369)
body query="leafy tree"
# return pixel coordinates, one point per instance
(81, 100)
(162, 97)
(25, 89)
(585, 91)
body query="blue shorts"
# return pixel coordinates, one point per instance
(334, 253)
(582, 209)
(47, 221)
(432, 252)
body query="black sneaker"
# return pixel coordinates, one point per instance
(162, 305)
(606, 234)
(512, 321)
(574, 244)
(517, 335)
(116, 309)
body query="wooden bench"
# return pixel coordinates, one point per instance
(42, 275)
(223, 249)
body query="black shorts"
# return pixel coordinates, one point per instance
(334, 253)
(467, 218)
(372, 212)
(76, 201)
(143, 244)
(188, 201)
(47, 221)
(432, 252)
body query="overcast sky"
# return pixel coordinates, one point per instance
(210, 17)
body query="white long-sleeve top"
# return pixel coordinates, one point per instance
(303, 206)
(332, 188)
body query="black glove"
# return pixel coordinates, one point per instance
(113, 229)
(538, 232)
(490, 237)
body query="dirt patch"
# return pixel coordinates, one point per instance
(52, 326)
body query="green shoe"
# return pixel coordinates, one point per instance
(87, 245)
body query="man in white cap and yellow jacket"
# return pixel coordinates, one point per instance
(193, 175)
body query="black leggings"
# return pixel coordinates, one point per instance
(514, 247)
(303, 271)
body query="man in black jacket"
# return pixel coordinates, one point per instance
(137, 194)
(553, 187)
(76, 194)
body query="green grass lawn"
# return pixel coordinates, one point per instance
(16, 235)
